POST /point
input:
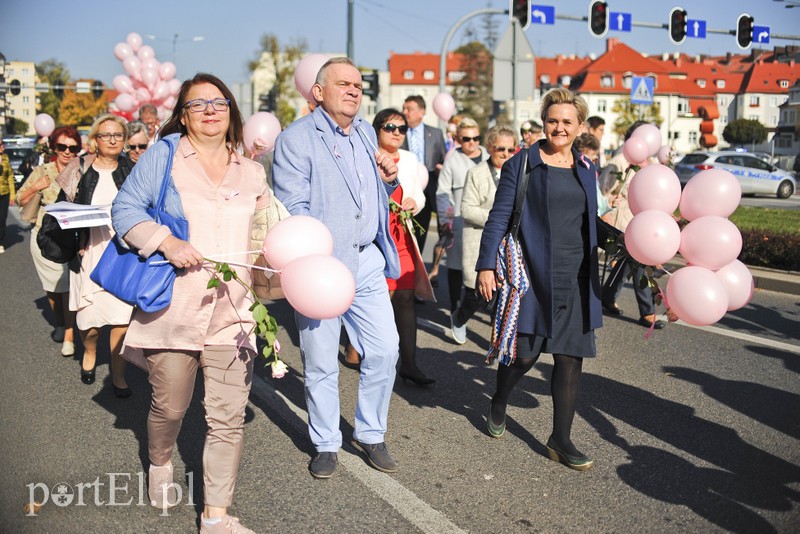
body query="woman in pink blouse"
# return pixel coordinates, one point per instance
(217, 191)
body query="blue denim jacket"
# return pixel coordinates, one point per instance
(140, 190)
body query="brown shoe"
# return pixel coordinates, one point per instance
(352, 358)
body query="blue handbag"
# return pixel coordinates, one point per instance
(133, 279)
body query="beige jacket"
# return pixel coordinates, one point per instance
(266, 285)
(476, 202)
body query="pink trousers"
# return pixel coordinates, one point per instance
(228, 375)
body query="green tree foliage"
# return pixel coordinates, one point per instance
(473, 92)
(743, 131)
(16, 126)
(628, 113)
(53, 72)
(281, 62)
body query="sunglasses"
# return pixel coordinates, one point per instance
(61, 147)
(526, 130)
(390, 128)
(138, 147)
(502, 149)
(466, 139)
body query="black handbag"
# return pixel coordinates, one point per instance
(136, 280)
(59, 245)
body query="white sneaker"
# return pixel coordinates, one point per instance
(68, 349)
(160, 488)
(2, 249)
(459, 332)
(226, 525)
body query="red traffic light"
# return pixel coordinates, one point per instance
(744, 31)
(598, 19)
(520, 10)
(677, 25)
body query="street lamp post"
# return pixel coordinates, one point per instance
(175, 41)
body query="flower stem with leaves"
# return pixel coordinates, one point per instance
(405, 215)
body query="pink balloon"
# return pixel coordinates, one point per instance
(652, 237)
(651, 135)
(319, 287)
(738, 281)
(261, 129)
(635, 150)
(174, 87)
(125, 102)
(161, 91)
(134, 40)
(169, 103)
(696, 295)
(422, 177)
(44, 124)
(149, 78)
(132, 66)
(654, 187)
(664, 155)
(145, 52)
(295, 237)
(151, 63)
(444, 106)
(710, 192)
(306, 73)
(122, 50)
(142, 94)
(711, 242)
(167, 70)
(122, 83)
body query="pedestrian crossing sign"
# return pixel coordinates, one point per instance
(642, 90)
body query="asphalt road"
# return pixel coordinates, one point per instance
(693, 430)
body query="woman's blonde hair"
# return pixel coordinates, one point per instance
(466, 123)
(559, 95)
(96, 126)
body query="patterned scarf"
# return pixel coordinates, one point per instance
(514, 284)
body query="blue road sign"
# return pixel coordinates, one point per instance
(696, 29)
(761, 34)
(543, 14)
(619, 22)
(642, 90)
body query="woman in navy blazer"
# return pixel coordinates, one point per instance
(559, 238)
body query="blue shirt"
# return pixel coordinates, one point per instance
(358, 158)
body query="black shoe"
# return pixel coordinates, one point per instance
(378, 456)
(612, 309)
(122, 393)
(323, 465)
(421, 381)
(658, 325)
(87, 377)
(578, 463)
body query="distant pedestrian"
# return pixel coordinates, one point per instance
(137, 140)
(7, 193)
(148, 114)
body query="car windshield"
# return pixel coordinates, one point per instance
(691, 159)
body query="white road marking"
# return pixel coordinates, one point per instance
(407, 504)
(745, 337)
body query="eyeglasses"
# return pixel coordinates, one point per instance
(200, 105)
(138, 147)
(390, 128)
(501, 149)
(466, 139)
(108, 136)
(61, 147)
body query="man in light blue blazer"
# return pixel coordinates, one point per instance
(327, 166)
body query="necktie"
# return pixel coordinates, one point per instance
(416, 145)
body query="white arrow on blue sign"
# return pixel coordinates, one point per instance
(761, 34)
(642, 89)
(619, 22)
(696, 29)
(543, 14)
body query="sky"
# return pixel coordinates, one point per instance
(82, 35)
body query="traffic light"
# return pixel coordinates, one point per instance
(268, 101)
(372, 88)
(58, 90)
(598, 19)
(520, 10)
(677, 25)
(15, 87)
(97, 88)
(744, 31)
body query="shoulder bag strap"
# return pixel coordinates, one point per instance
(519, 202)
(167, 179)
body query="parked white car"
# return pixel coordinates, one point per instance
(755, 175)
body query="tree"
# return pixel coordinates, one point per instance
(53, 72)
(15, 126)
(279, 65)
(628, 113)
(743, 131)
(80, 109)
(473, 92)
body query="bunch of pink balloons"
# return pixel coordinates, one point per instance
(714, 282)
(315, 283)
(644, 143)
(444, 106)
(147, 81)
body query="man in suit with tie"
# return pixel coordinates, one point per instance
(327, 166)
(427, 143)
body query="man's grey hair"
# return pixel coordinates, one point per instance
(320, 80)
